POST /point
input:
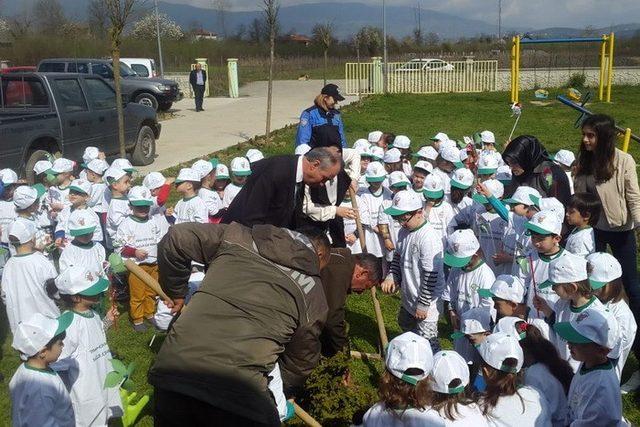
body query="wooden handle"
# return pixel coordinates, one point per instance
(304, 416)
(365, 356)
(146, 278)
(354, 205)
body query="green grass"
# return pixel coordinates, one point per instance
(418, 117)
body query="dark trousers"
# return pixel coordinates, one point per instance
(624, 248)
(178, 410)
(198, 91)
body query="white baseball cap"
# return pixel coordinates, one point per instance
(448, 366)
(461, 246)
(398, 179)
(499, 347)
(424, 165)
(23, 229)
(487, 163)
(401, 141)
(77, 280)
(303, 149)
(253, 155)
(544, 222)
(361, 144)
(154, 180)
(504, 174)
(433, 187)
(522, 196)
(591, 326)
(25, 196)
(451, 154)
(494, 186)
(487, 137)
(427, 152)
(568, 268)
(377, 153)
(374, 136)
(449, 143)
(81, 222)
(473, 321)
(549, 204)
(392, 155)
(81, 186)
(463, 155)
(409, 351)
(140, 196)
(191, 175)
(404, 201)
(113, 174)
(462, 178)
(375, 172)
(440, 136)
(602, 268)
(8, 176)
(42, 166)
(62, 165)
(123, 164)
(222, 171)
(240, 166)
(203, 167)
(564, 157)
(33, 334)
(90, 153)
(506, 287)
(512, 326)
(97, 166)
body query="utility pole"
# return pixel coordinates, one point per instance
(158, 36)
(499, 19)
(384, 47)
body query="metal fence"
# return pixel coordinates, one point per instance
(455, 76)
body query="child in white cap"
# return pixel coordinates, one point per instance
(90, 154)
(371, 199)
(137, 239)
(125, 165)
(403, 143)
(207, 171)
(447, 161)
(417, 268)
(7, 211)
(222, 180)
(506, 402)
(473, 327)
(392, 161)
(517, 241)
(420, 171)
(86, 360)
(82, 250)
(240, 169)
(438, 139)
(365, 159)
(583, 212)
(462, 181)
(254, 155)
(565, 159)
(543, 367)
(38, 395)
(119, 183)
(190, 208)
(27, 202)
(404, 387)
(487, 165)
(94, 172)
(350, 227)
(438, 210)
(79, 196)
(594, 396)
(24, 276)
(428, 154)
(387, 227)
(160, 188)
(375, 137)
(604, 273)
(58, 194)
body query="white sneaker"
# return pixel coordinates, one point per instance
(632, 383)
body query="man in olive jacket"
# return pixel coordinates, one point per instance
(261, 302)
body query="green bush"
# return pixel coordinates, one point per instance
(577, 80)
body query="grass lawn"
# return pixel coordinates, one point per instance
(418, 117)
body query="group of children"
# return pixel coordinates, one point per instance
(58, 241)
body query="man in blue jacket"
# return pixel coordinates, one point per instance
(321, 124)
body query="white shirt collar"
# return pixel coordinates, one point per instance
(299, 174)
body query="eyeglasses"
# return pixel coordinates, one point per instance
(404, 218)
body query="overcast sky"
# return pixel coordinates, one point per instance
(528, 13)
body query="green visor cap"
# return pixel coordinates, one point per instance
(453, 261)
(569, 333)
(97, 288)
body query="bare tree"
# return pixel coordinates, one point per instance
(323, 35)
(119, 12)
(417, 32)
(271, 9)
(221, 7)
(98, 18)
(49, 16)
(256, 31)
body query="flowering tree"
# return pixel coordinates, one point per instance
(145, 28)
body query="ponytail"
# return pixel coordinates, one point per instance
(499, 383)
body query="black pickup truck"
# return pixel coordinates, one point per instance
(44, 114)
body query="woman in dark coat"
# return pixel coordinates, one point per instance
(531, 166)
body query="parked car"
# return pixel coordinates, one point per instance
(428, 64)
(144, 67)
(20, 69)
(157, 93)
(45, 114)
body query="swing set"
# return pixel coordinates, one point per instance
(606, 62)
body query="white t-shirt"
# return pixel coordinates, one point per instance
(39, 398)
(118, 210)
(594, 398)
(7, 216)
(141, 234)
(91, 256)
(627, 326)
(230, 193)
(526, 408)
(211, 199)
(462, 288)
(96, 202)
(394, 226)
(538, 376)
(540, 274)
(581, 242)
(465, 202)
(350, 227)
(445, 177)
(193, 209)
(379, 416)
(23, 288)
(84, 365)
(63, 224)
(369, 209)
(441, 217)
(58, 194)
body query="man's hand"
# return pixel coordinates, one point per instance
(388, 286)
(175, 305)
(350, 238)
(421, 314)
(455, 320)
(388, 244)
(345, 212)
(141, 254)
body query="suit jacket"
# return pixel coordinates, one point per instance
(193, 78)
(268, 196)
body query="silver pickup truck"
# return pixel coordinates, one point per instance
(45, 114)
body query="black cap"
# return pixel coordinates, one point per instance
(332, 90)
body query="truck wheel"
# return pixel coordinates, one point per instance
(144, 152)
(148, 100)
(32, 160)
(165, 106)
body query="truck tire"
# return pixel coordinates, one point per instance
(32, 160)
(165, 106)
(147, 99)
(144, 153)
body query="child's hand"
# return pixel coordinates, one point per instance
(455, 320)
(170, 180)
(57, 206)
(169, 212)
(388, 244)
(113, 313)
(502, 258)
(482, 189)
(421, 314)
(541, 305)
(388, 286)
(141, 254)
(350, 238)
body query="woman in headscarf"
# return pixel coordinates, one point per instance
(531, 166)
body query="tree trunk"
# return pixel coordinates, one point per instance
(324, 73)
(272, 43)
(115, 55)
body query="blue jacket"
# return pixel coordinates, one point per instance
(319, 128)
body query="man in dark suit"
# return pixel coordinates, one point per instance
(274, 192)
(197, 80)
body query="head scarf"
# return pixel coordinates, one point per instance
(527, 152)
